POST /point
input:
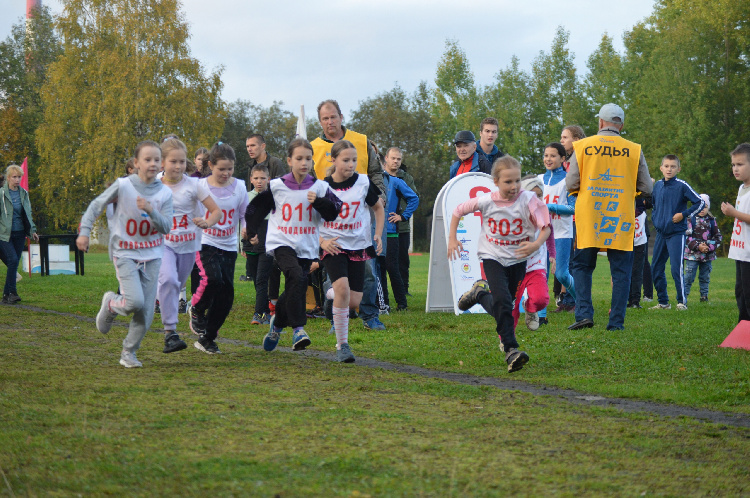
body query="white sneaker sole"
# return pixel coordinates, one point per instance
(130, 365)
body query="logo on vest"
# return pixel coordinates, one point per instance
(606, 177)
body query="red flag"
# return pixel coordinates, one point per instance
(25, 178)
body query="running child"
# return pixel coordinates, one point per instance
(214, 296)
(346, 242)
(510, 219)
(534, 283)
(184, 240)
(561, 218)
(739, 249)
(296, 201)
(138, 225)
(670, 198)
(703, 237)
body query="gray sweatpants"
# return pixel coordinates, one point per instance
(138, 283)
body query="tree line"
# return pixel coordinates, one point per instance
(78, 95)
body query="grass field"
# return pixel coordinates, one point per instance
(249, 422)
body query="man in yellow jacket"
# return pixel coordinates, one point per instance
(607, 172)
(368, 163)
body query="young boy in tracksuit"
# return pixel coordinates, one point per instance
(670, 198)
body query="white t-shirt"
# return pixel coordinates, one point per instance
(504, 228)
(739, 248)
(294, 223)
(352, 226)
(640, 230)
(184, 236)
(224, 233)
(558, 194)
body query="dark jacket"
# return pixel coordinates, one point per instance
(494, 154)
(671, 197)
(478, 163)
(276, 168)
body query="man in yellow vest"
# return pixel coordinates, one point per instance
(606, 172)
(368, 163)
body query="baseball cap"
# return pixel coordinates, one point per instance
(612, 113)
(464, 136)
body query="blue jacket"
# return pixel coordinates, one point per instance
(397, 189)
(494, 154)
(671, 197)
(553, 177)
(478, 163)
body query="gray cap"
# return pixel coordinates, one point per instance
(612, 113)
(464, 136)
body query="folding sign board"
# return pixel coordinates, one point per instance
(447, 279)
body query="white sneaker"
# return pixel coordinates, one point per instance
(681, 307)
(128, 360)
(18, 277)
(105, 318)
(661, 307)
(532, 321)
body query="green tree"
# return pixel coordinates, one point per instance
(605, 81)
(243, 118)
(397, 119)
(456, 104)
(126, 75)
(509, 101)
(24, 58)
(689, 89)
(556, 99)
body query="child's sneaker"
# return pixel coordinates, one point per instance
(647, 299)
(157, 308)
(300, 340)
(272, 337)
(384, 310)
(207, 346)
(471, 296)
(105, 317)
(344, 355)
(681, 307)
(516, 359)
(197, 321)
(532, 321)
(662, 307)
(704, 299)
(173, 343)
(183, 306)
(128, 359)
(543, 321)
(245, 278)
(257, 319)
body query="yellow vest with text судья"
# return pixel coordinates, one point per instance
(605, 209)
(322, 153)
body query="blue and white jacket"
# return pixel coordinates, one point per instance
(395, 190)
(671, 197)
(553, 177)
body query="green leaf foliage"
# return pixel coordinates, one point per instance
(119, 81)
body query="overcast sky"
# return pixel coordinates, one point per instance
(303, 51)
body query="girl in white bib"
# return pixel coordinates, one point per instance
(346, 241)
(184, 239)
(214, 297)
(137, 228)
(297, 202)
(511, 218)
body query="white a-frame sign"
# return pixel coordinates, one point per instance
(447, 280)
